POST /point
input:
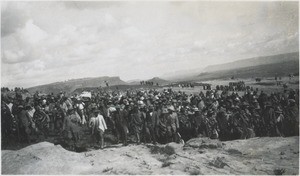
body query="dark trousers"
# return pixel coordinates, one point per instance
(122, 131)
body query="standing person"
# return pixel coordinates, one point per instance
(222, 119)
(41, 120)
(150, 125)
(155, 119)
(80, 110)
(25, 122)
(8, 120)
(58, 115)
(51, 114)
(98, 127)
(172, 124)
(121, 125)
(292, 115)
(279, 120)
(162, 126)
(212, 124)
(269, 119)
(201, 104)
(137, 119)
(71, 129)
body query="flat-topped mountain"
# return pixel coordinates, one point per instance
(71, 85)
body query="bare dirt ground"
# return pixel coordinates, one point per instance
(198, 156)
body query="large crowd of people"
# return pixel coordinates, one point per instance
(152, 115)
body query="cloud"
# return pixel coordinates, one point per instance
(13, 17)
(45, 42)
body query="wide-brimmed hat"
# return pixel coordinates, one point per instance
(171, 108)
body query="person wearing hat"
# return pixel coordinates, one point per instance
(162, 126)
(212, 124)
(196, 120)
(120, 121)
(137, 121)
(269, 119)
(25, 123)
(58, 115)
(150, 123)
(172, 124)
(71, 130)
(184, 124)
(256, 120)
(98, 127)
(279, 120)
(41, 120)
(157, 112)
(222, 119)
(8, 120)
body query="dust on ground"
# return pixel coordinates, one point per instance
(268, 155)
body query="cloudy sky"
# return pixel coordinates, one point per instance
(44, 42)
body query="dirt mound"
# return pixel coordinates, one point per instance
(197, 156)
(203, 143)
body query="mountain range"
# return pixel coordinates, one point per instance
(265, 66)
(256, 61)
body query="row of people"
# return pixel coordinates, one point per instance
(155, 116)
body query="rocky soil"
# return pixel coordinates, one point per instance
(198, 156)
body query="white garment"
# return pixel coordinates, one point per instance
(99, 121)
(80, 106)
(110, 111)
(102, 123)
(31, 112)
(10, 105)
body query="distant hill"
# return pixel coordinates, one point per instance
(268, 66)
(134, 82)
(257, 61)
(158, 80)
(71, 85)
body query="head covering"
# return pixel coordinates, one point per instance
(195, 109)
(171, 108)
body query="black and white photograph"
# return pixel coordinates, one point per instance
(150, 87)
